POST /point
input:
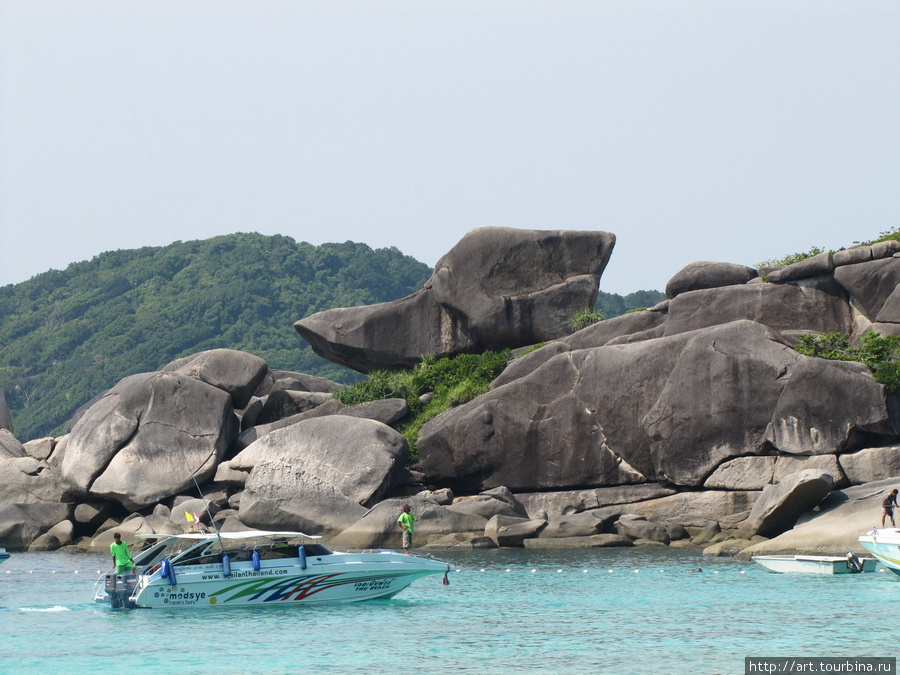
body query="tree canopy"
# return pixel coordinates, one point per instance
(67, 336)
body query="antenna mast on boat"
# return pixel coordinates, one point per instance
(200, 492)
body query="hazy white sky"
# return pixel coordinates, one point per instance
(693, 130)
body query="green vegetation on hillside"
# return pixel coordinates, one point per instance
(453, 381)
(893, 234)
(791, 259)
(611, 304)
(67, 336)
(880, 353)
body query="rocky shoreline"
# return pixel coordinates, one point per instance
(692, 423)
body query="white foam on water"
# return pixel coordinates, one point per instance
(56, 608)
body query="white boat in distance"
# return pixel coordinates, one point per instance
(884, 545)
(816, 564)
(257, 568)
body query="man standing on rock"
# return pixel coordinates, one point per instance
(406, 522)
(121, 555)
(887, 508)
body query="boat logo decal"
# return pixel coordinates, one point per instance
(300, 587)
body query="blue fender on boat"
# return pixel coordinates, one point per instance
(256, 560)
(301, 552)
(167, 569)
(226, 565)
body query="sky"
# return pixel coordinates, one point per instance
(735, 131)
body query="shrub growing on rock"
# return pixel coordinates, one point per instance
(585, 318)
(881, 353)
(452, 381)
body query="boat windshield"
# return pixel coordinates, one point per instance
(210, 551)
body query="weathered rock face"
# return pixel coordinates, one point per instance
(573, 501)
(57, 536)
(278, 380)
(829, 407)
(781, 307)
(40, 448)
(379, 527)
(512, 530)
(725, 509)
(604, 332)
(835, 527)
(146, 438)
(497, 288)
(781, 504)
(485, 507)
(870, 284)
(638, 527)
(21, 524)
(755, 473)
(704, 274)
(871, 464)
(284, 403)
(10, 446)
(669, 410)
(585, 524)
(25, 480)
(237, 373)
(305, 476)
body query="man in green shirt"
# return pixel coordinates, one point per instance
(121, 556)
(406, 522)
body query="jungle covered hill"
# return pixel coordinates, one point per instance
(66, 336)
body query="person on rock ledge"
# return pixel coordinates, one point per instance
(887, 508)
(406, 522)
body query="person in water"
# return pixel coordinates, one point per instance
(121, 555)
(887, 508)
(406, 521)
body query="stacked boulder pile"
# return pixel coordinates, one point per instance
(694, 422)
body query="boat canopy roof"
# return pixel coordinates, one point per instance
(247, 534)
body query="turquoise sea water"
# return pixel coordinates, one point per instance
(619, 611)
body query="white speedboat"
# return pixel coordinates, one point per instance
(257, 568)
(884, 545)
(816, 564)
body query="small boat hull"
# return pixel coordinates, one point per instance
(884, 544)
(4, 556)
(814, 564)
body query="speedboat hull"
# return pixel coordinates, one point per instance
(815, 564)
(356, 578)
(239, 569)
(884, 544)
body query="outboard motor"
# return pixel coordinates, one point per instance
(119, 588)
(853, 563)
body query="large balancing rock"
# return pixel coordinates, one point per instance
(498, 287)
(146, 437)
